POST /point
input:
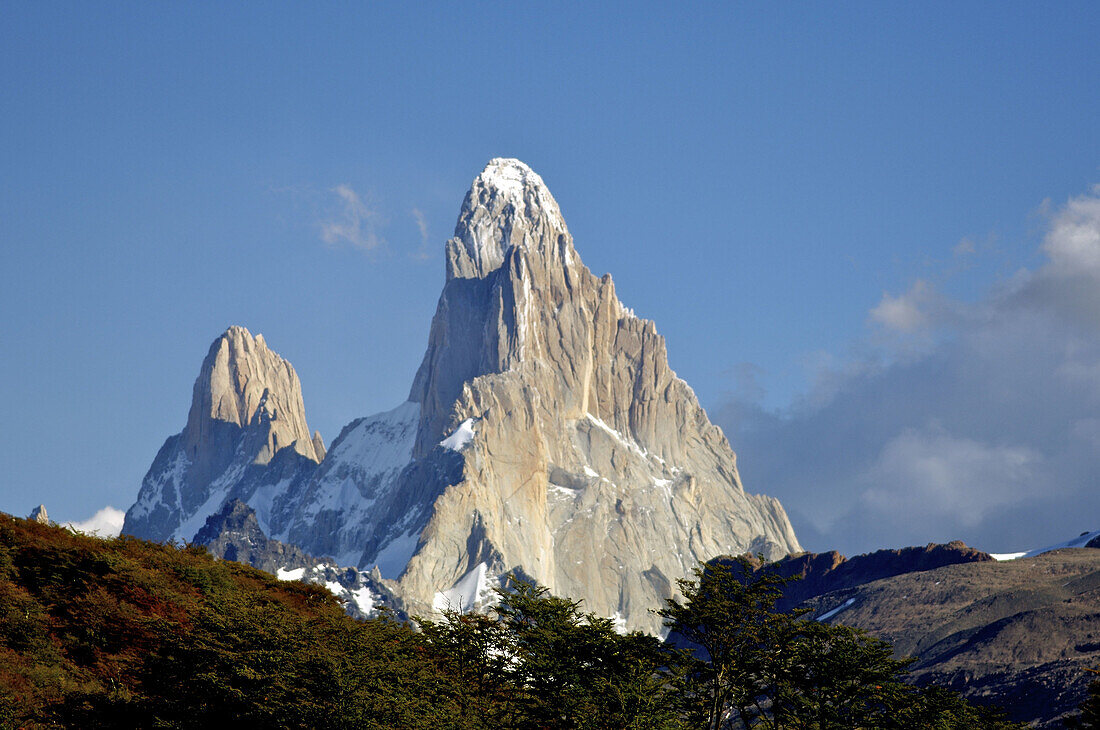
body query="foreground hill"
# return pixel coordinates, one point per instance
(127, 633)
(1019, 632)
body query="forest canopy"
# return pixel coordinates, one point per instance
(129, 633)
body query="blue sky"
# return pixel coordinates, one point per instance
(761, 180)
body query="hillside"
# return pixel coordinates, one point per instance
(129, 633)
(1019, 632)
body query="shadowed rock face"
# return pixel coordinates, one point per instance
(234, 533)
(246, 431)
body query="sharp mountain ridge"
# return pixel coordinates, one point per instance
(544, 434)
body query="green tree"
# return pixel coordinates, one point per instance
(539, 662)
(1089, 716)
(576, 671)
(475, 650)
(839, 677)
(751, 666)
(739, 642)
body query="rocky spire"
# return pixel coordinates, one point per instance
(585, 460)
(243, 383)
(246, 409)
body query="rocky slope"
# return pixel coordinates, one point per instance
(544, 433)
(815, 574)
(234, 533)
(1019, 633)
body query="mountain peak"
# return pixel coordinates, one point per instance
(509, 175)
(246, 407)
(508, 205)
(239, 377)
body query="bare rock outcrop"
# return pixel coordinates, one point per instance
(815, 574)
(544, 434)
(246, 433)
(1021, 634)
(582, 459)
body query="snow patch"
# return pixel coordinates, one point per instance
(364, 599)
(461, 437)
(563, 491)
(284, 574)
(471, 590)
(1007, 556)
(1077, 542)
(835, 611)
(628, 443)
(379, 443)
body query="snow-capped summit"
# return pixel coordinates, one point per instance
(507, 205)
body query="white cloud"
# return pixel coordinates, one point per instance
(931, 475)
(964, 247)
(422, 253)
(351, 220)
(906, 312)
(1073, 241)
(987, 431)
(107, 522)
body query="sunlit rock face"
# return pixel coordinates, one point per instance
(246, 436)
(544, 435)
(585, 462)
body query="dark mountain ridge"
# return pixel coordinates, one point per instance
(1017, 633)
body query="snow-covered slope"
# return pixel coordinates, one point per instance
(1077, 542)
(338, 511)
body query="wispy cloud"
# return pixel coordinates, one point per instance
(350, 220)
(987, 432)
(422, 253)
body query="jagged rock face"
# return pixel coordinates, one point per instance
(544, 434)
(246, 436)
(39, 515)
(234, 533)
(585, 461)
